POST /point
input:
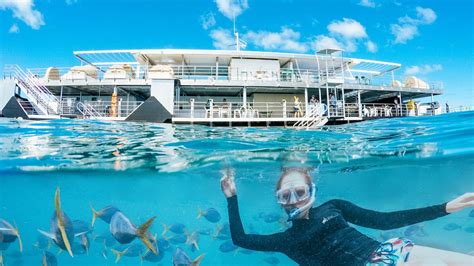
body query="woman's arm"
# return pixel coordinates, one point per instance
(388, 220)
(272, 242)
(239, 237)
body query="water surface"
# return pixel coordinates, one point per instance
(171, 171)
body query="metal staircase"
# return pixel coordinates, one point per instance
(27, 106)
(88, 111)
(40, 98)
(313, 118)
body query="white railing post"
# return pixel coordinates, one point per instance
(191, 102)
(211, 108)
(284, 108)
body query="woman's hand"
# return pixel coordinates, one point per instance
(228, 186)
(461, 202)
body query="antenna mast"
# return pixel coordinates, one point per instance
(236, 34)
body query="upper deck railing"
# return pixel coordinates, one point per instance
(307, 77)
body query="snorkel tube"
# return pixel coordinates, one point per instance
(296, 212)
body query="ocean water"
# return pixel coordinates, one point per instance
(171, 172)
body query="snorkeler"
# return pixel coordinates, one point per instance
(323, 236)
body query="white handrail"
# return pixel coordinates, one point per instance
(87, 110)
(42, 97)
(311, 118)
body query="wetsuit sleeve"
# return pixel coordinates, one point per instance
(387, 220)
(273, 242)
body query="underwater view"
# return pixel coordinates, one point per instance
(164, 181)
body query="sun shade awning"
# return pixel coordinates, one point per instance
(372, 67)
(107, 57)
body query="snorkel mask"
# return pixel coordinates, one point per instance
(297, 193)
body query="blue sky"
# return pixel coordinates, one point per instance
(431, 39)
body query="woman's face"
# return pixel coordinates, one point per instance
(294, 179)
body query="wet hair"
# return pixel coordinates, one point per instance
(303, 171)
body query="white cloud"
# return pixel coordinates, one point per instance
(231, 8)
(71, 2)
(426, 15)
(367, 3)
(208, 20)
(346, 34)
(14, 29)
(423, 69)
(407, 28)
(222, 39)
(24, 11)
(348, 29)
(287, 40)
(325, 42)
(404, 33)
(371, 46)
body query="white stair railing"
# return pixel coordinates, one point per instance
(88, 111)
(37, 93)
(313, 118)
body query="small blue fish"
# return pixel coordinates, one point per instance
(49, 259)
(415, 230)
(106, 238)
(177, 228)
(78, 249)
(192, 240)
(151, 257)
(42, 242)
(228, 246)
(124, 231)
(211, 214)
(225, 229)
(105, 214)
(451, 227)
(81, 227)
(205, 231)
(177, 239)
(136, 250)
(119, 252)
(469, 229)
(84, 242)
(180, 258)
(163, 244)
(271, 217)
(272, 260)
(222, 232)
(61, 227)
(471, 213)
(8, 233)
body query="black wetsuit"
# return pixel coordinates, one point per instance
(326, 238)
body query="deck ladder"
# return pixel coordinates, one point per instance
(37, 93)
(88, 111)
(312, 119)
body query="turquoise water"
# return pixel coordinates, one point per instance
(170, 171)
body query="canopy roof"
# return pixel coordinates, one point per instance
(191, 57)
